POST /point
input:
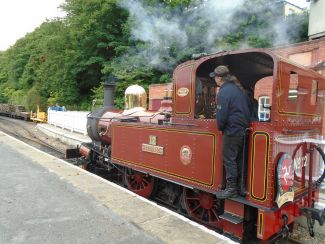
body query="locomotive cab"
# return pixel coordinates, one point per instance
(249, 68)
(193, 87)
(281, 162)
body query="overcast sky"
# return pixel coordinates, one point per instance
(18, 17)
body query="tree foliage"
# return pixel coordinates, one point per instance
(67, 60)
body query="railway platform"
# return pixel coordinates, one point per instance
(69, 137)
(45, 200)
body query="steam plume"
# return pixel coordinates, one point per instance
(166, 34)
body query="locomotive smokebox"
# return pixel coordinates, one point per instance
(93, 118)
(109, 90)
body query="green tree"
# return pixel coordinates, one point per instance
(66, 60)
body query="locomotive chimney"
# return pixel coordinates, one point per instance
(109, 89)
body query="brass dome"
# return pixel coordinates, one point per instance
(135, 96)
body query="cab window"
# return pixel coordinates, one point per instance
(264, 108)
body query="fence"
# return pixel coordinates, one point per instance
(72, 120)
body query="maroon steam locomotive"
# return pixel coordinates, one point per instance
(173, 153)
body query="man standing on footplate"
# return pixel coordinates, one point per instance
(233, 118)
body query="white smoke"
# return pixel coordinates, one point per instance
(161, 31)
(157, 30)
(220, 15)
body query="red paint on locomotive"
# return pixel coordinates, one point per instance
(180, 143)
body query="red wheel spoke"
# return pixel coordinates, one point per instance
(196, 208)
(145, 181)
(139, 183)
(210, 215)
(142, 185)
(133, 183)
(202, 213)
(201, 206)
(214, 211)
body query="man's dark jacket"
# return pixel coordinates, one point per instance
(233, 115)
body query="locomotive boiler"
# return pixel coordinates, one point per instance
(173, 153)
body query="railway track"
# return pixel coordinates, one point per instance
(26, 132)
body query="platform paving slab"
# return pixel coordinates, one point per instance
(66, 204)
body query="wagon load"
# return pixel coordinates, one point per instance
(20, 108)
(6, 108)
(20, 112)
(14, 111)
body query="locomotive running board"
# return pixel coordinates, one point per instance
(231, 218)
(246, 202)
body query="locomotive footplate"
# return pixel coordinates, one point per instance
(243, 200)
(231, 218)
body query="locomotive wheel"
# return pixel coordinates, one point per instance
(202, 206)
(139, 183)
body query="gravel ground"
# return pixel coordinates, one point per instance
(301, 234)
(29, 130)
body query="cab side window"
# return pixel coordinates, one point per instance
(263, 93)
(297, 93)
(314, 92)
(293, 87)
(264, 108)
(205, 99)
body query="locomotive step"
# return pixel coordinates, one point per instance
(231, 218)
(246, 202)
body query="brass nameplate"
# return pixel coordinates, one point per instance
(153, 149)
